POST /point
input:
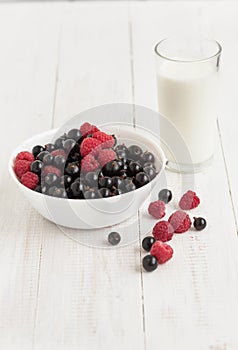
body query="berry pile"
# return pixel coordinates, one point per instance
(163, 231)
(85, 163)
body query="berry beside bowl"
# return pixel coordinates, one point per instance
(105, 179)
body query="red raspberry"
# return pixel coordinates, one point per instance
(162, 251)
(51, 169)
(157, 209)
(87, 129)
(189, 201)
(59, 152)
(163, 231)
(105, 156)
(180, 221)
(106, 140)
(89, 145)
(89, 163)
(29, 180)
(21, 167)
(25, 156)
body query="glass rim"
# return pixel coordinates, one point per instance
(219, 50)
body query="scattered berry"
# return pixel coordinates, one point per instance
(51, 169)
(165, 195)
(105, 156)
(163, 231)
(147, 243)
(199, 223)
(89, 163)
(87, 129)
(157, 209)
(161, 251)
(25, 156)
(180, 221)
(114, 238)
(189, 201)
(150, 263)
(21, 167)
(106, 141)
(37, 149)
(29, 180)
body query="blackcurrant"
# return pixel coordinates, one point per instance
(69, 145)
(116, 181)
(49, 147)
(141, 179)
(77, 189)
(51, 190)
(91, 194)
(149, 171)
(130, 187)
(36, 167)
(114, 238)
(105, 181)
(50, 179)
(149, 164)
(60, 193)
(199, 223)
(74, 134)
(148, 157)
(91, 178)
(148, 242)
(40, 156)
(134, 168)
(116, 192)
(72, 168)
(37, 149)
(59, 142)
(65, 181)
(104, 192)
(38, 189)
(59, 161)
(121, 148)
(165, 195)
(135, 152)
(150, 263)
(121, 154)
(112, 168)
(48, 159)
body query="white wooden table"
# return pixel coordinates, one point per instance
(57, 59)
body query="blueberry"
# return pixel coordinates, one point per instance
(49, 147)
(149, 171)
(116, 181)
(77, 189)
(74, 134)
(91, 194)
(165, 195)
(37, 149)
(91, 178)
(104, 192)
(114, 238)
(59, 142)
(135, 152)
(150, 263)
(141, 179)
(50, 179)
(65, 181)
(48, 159)
(105, 182)
(148, 157)
(41, 155)
(59, 161)
(72, 168)
(38, 189)
(134, 168)
(60, 193)
(112, 168)
(69, 145)
(148, 242)
(199, 223)
(36, 167)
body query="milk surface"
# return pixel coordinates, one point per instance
(187, 96)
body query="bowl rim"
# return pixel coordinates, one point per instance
(54, 130)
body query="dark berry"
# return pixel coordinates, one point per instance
(117, 192)
(44, 189)
(65, 181)
(148, 157)
(149, 164)
(41, 155)
(51, 190)
(74, 134)
(135, 152)
(74, 157)
(69, 145)
(49, 147)
(50, 179)
(148, 242)
(115, 140)
(48, 159)
(91, 179)
(77, 189)
(123, 174)
(112, 168)
(149, 171)
(91, 194)
(105, 182)
(104, 192)
(120, 148)
(60, 193)
(130, 187)
(72, 169)
(38, 189)
(37, 149)
(116, 181)
(59, 142)
(114, 238)
(199, 223)
(134, 168)
(36, 167)
(121, 154)
(141, 179)
(59, 161)
(165, 195)
(150, 263)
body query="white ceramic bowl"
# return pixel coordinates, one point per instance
(93, 213)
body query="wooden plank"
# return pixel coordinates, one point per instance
(90, 297)
(187, 301)
(28, 40)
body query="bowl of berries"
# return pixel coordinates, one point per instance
(89, 176)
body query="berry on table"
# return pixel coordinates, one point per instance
(157, 209)
(89, 163)
(189, 201)
(161, 251)
(165, 195)
(141, 179)
(105, 156)
(199, 223)
(180, 221)
(36, 167)
(150, 263)
(163, 231)
(21, 167)
(25, 156)
(114, 238)
(147, 243)
(37, 149)
(29, 180)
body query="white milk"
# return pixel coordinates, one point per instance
(187, 97)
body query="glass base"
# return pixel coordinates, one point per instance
(188, 168)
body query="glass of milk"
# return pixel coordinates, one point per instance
(187, 82)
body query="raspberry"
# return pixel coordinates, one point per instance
(105, 156)
(189, 201)
(157, 209)
(59, 152)
(163, 231)
(180, 221)
(89, 163)
(30, 180)
(89, 145)
(51, 169)
(106, 140)
(161, 251)
(25, 156)
(87, 129)
(21, 167)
